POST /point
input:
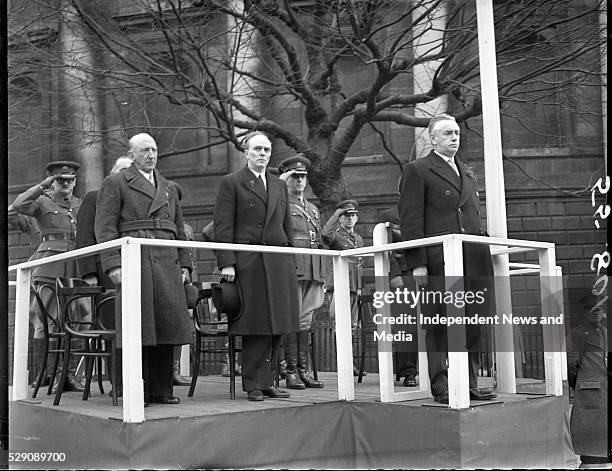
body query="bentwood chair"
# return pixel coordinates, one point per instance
(98, 342)
(210, 328)
(53, 334)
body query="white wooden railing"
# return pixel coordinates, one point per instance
(133, 393)
(551, 303)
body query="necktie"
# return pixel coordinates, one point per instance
(453, 165)
(260, 184)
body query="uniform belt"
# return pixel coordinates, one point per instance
(314, 241)
(57, 236)
(147, 225)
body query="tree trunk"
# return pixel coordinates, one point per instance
(83, 108)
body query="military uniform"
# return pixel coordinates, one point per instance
(338, 238)
(310, 270)
(56, 219)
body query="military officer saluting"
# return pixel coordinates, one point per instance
(55, 208)
(339, 234)
(310, 270)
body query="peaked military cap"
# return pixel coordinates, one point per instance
(348, 206)
(65, 168)
(298, 163)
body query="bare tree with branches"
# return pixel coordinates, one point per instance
(234, 66)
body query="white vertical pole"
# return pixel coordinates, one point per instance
(550, 307)
(380, 236)
(20, 352)
(458, 372)
(561, 333)
(344, 342)
(495, 187)
(133, 391)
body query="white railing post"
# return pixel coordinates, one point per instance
(550, 307)
(344, 342)
(504, 333)
(133, 390)
(458, 372)
(558, 289)
(380, 236)
(20, 353)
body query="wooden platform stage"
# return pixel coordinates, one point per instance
(312, 429)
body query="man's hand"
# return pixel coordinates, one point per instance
(420, 275)
(396, 282)
(91, 280)
(115, 275)
(186, 275)
(47, 182)
(228, 273)
(285, 176)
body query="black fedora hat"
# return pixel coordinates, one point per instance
(227, 298)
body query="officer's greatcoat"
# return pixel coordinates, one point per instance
(246, 215)
(587, 352)
(129, 205)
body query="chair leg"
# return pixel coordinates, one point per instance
(99, 366)
(362, 341)
(53, 372)
(232, 367)
(313, 355)
(196, 366)
(60, 385)
(113, 377)
(42, 367)
(89, 364)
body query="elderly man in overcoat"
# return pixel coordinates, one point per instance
(139, 202)
(252, 207)
(438, 196)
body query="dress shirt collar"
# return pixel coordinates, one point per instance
(262, 175)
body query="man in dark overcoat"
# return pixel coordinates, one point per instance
(139, 202)
(89, 268)
(438, 196)
(252, 207)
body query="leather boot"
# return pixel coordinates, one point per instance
(293, 379)
(303, 370)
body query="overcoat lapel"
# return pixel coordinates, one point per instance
(139, 183)
(467, 184)
(249, 180)
(273, 195)
(443, 170)
(162, 194)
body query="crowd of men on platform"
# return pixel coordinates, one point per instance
(279, 292)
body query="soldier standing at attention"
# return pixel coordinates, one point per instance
(55, 208)
(310, 270)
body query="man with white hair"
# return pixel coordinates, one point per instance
(139, 202)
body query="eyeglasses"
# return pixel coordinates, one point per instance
(63, 181)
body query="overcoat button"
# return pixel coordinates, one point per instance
(447, 193)
(251, 203)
